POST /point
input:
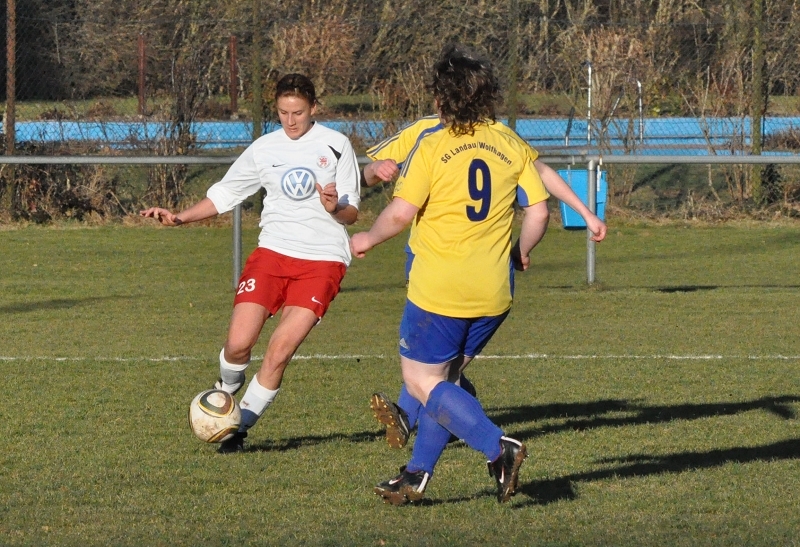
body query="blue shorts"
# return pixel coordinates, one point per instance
(433, 339)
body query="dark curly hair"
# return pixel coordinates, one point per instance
(466, 89)
(296, 85)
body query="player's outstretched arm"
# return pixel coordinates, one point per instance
(396, 216)
(558, 187)
(199, 211)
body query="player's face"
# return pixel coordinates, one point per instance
(295, 114)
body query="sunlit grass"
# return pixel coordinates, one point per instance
(660, 406)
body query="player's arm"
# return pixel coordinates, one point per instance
(534, 225)
(557, 187)
(380, 171)
(201, 210)
(343, 213)
(392, 220)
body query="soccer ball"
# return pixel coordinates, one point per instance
(214, 416)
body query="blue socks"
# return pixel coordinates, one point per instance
(431, 441)
(410, 406)
(450, 409)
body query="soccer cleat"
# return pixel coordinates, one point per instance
(234, 444)
(404, 488)
(220, 385)
(393, 417)
(505, 469)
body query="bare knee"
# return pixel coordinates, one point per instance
(237, 353)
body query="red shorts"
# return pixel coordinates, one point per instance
(274, 280)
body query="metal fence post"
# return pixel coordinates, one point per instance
(234, 76)
(10, 116)
(11, 77)
(513, 64)
(142, 68)
(592, 204)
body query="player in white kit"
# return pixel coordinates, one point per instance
(311, 177)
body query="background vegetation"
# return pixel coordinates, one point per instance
(689, 56)
(78, 60)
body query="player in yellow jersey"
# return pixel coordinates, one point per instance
(388, 157)
(459, 185)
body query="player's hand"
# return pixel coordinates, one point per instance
(164, 216)
(597, 227)
(360, 244)
(386, 170)
(328, 196)
(520, 263)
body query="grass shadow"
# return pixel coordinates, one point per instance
(641, 465)
(57, 304)
(294, 443)
(686, 288)
(620, 412)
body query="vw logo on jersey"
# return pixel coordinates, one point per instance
(298, 183)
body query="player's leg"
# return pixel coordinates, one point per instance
(426, 338)
(443, 402)
(259, 295)
(460, 413)
(401, 418)
(312, 287)
(247, 320)
(464, 417)
(293, 327)
(305, 289)
(432, 438)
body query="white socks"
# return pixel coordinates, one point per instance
(232, 375)
(255, 401)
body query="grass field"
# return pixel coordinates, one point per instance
(660, 406)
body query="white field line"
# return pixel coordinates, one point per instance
(346, 357)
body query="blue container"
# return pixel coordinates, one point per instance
(578, 180)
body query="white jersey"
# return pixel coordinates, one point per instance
(294, 222)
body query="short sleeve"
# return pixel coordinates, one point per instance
(530, 188)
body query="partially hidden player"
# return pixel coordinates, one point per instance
(459, 185)
(389, 156)
(311, 177)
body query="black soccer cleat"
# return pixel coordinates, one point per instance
(234, 444)
(393, 417)
(404, 488)
(505, 469)
(219, 385)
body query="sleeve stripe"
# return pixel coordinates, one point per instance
(372, 152)
(422, 135)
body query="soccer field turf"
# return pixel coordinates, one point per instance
(659, 407)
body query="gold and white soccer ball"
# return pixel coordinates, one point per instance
(214, 416)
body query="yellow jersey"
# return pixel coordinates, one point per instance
(399, 146)
(465, 188)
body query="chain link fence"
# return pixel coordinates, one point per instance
(180, 77)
